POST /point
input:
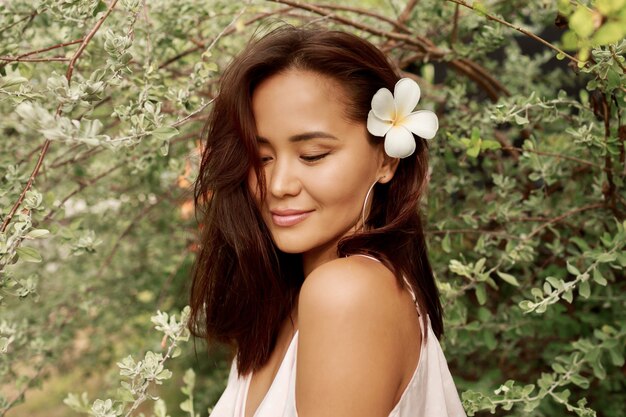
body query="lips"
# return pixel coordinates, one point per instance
(289, 217)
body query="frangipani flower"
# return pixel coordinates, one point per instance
(391, 117)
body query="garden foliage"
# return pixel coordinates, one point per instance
(102, 105)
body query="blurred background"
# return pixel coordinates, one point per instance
(102, 105)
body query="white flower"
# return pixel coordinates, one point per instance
(391, 117)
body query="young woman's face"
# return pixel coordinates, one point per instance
(314, 162)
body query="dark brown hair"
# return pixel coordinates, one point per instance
(243, 286)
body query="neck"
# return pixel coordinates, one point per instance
(326, 252)
(319, 256)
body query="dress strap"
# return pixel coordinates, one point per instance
(367, 256)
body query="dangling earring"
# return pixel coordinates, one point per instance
(365, 202)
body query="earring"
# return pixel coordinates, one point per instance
(365, 202)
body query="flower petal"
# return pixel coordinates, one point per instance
(376, 126)
(383, 106)
(399, 142)
(406, 94)
(423, 123)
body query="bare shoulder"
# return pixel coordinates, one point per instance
(352, 277)
(349, 340)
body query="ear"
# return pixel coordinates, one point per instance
(387, 168)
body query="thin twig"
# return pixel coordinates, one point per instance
(134, 221)
(81, 187)
(563, 216)
(474, 71)
(411, 39)
(86, 40)
(406, 13)
(517, 28)
(46, 144)
(16, 59)
(400, 26)
(38, 51)
(556, 155)
(617, 59)
(28, 17)
(25, 386)
(202, 45)
(455, 26)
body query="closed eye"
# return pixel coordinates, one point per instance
(313, 158)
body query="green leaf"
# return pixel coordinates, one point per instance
(481, 294)
(125, 395)
(617, 357)
(479, 6)
(613, 79)
(190, 377)
(531, 405)
(568, 296)
(101, 7)
(164, 149)
(572, 269)
(445, 243)
(490, 144)
(581, 22)
(12, 80)
(473, 151)
(28, 254)
(569, 40)
(561, 396)
(580, 380)
(584, 289)
(556, 283)
(598, 370)
(536, 292)
(564, 7)
(489, 339)
(160, 409)
(598, 278)
(521, 120)
(525, 305)
(606, 257)
(584, 246)
(164, 132)
(479, 265)
(508, 278)
(187, 405)
(606, 7)
(35, 233)
(608, 33)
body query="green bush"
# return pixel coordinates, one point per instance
(102, 108)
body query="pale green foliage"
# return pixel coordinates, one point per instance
(139, 376)
(525, 208)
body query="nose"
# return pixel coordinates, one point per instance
(283, 179)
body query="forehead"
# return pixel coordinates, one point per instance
(289, 103)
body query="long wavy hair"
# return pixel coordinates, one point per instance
(243, 287)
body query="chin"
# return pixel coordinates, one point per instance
(292, 244)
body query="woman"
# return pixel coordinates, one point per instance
(312, 249)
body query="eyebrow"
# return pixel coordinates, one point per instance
(302, 136)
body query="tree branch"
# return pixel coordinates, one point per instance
(46, 144)
(517, 28)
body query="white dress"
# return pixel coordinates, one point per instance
(430, 393)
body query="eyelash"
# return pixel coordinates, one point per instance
(312, 158)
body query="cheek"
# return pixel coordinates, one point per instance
(338, 184)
